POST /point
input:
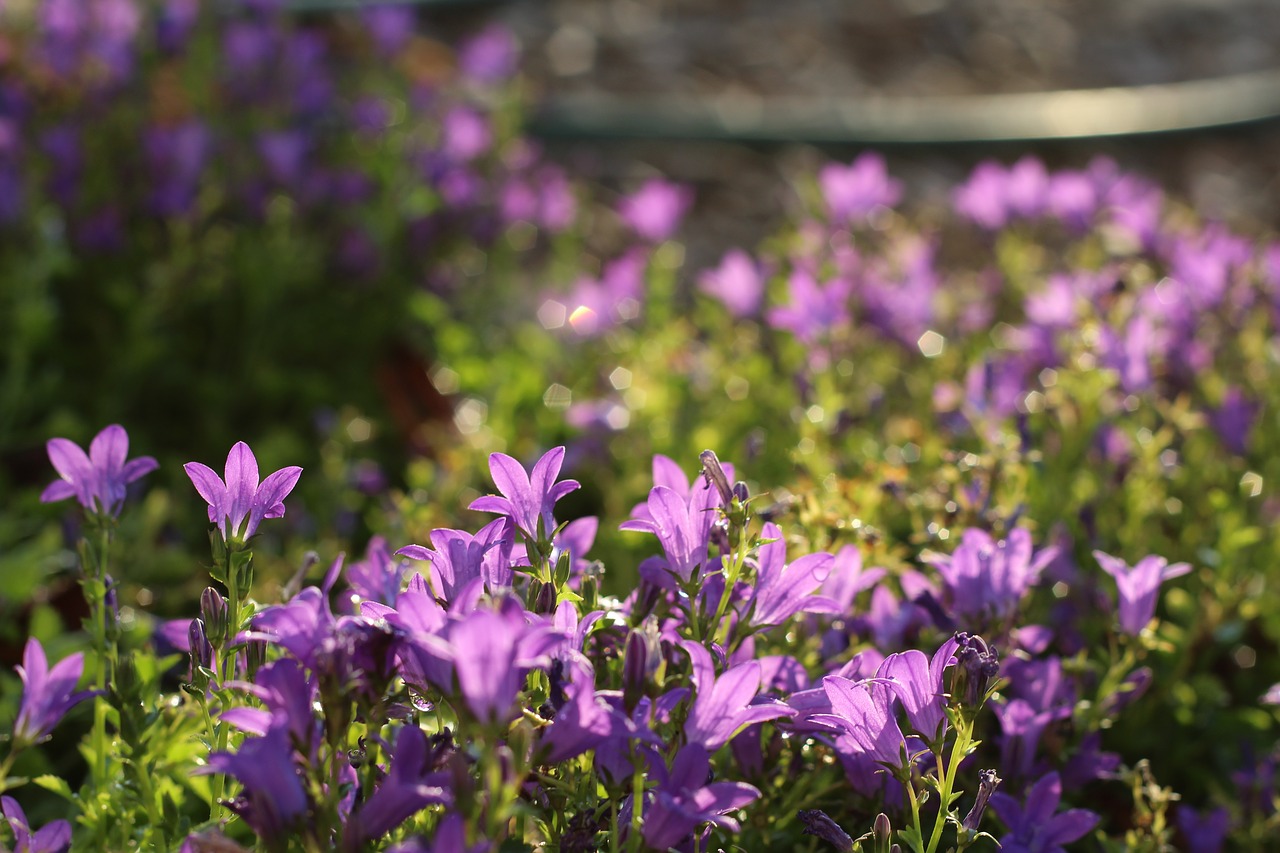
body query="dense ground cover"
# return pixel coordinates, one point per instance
(994, 561)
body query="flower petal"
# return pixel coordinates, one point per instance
(109, 448)
(140, 467)
(70, 461)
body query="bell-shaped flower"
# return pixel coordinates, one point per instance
(273, 801)
(683, 800)
(527, 499)
(97, 479)
(848, 577)
(240, 503)
(781, 590)
(864, 711)
(47, 694)
(723, 706)
(986, 578)
(459, 557)
(683, 531)
(53, 837)
(917, 681)
(584, 720)
(411, 785)
(1138, 587)
(1035, 826)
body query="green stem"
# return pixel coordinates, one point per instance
(918, 838)
(5, 766)
(945, 783)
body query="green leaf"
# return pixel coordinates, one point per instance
(56, 784)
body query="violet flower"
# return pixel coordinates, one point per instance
(722, 706)
(47, 694)
(1138, 587)
(781, 590)
(1034, 826)
(813, 309)
(683, 800)
(683, 529)
(738, 282)
(1204, 833)
(864, 710)
(53, 837)
(490, 55)
(96, 480)
(459, 557)
(239, 504)
(527, 499)
(851, 192)
(411, 785)
(273, 802)
(654, 211)
(986, 578)
(917, 681)
(584, 720)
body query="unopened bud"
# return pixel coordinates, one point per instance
(213, 610)
(255, 656)
(201, 650)
(819, 823)
(635, 665)
(882, 830)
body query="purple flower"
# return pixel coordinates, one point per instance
(97, 480)
(917, 681)
(411, 785)
(54, 837)
(738, 282)
(1022, 725)
(389, 25)
(527, 499)
(848, 578)
(853, 191)
(1138, 587)
(781, 590)
(584, 720)
(239, 504)
(1234, 420)
(655, 210)
(1206, 832)
(683, 529)
(1034, 827)
(450, 837)
(47, 694)
(813, 309)
(722, 706)
(864, 710)
(273, 801)
(683, 800)
(490, 56)
(466, 134)
(986, 578)
(459, 558)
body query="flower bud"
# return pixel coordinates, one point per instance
(819, 824)
(977, 665)
(213, 610)
(635, 665)
(201, 650)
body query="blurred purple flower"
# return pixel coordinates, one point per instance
(176, 157)
(1022, 725)
(986, 578)
(239, 504)
(583, 720)
(813, 309)
(1138, 587)
(655, 210)
(492, 651)
(1204, 833)
(1233, 420)
(47, 694)
(284, 154)
(1035, 826)
(96, 480)
(527, 499)
(174, 24)
(53, 837)
(738, 282)
(848, 578)
(467, 134)
(390, 25)
(490, 56)
(851, 192)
